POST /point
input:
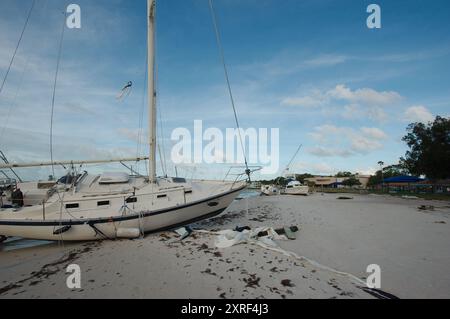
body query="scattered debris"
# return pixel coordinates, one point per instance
(209, 272)
(289, 232)
(184, 232)
(427, 207)
(165, 237)
(49, 270)
(287, 283)
(410, 197)
(241, 229)
(253, 281)
(264, 235)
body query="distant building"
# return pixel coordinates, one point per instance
(336, 182)
(414, 184)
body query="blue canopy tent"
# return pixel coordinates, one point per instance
(403, 180)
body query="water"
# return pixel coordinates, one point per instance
(248, 193)
(12, 244)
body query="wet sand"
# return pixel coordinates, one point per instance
(410, 245)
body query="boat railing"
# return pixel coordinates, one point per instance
(239, 173)
(7, 182)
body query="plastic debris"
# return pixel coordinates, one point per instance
(264, 235)
(184, 232)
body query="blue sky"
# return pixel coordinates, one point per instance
(311, 68)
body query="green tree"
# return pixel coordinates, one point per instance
(351, 182)
(388, 172)
(429, 149)
(301, 178)
(344, 174)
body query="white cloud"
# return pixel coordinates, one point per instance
(320, 168)
(326, 60)
(418, 114)
(377, 114)
(364, 145)
(344, 142)
(365, 95)
(362, 103)
(330, 152)
(373, 132)
(352, 111)
(315, 100)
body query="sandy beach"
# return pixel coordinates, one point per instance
(410, 246)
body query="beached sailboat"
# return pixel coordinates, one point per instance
(270, 190)
(294, 187)
(92, 207)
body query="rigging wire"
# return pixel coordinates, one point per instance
(141, 113)
(17, 47)
(161, 145)
(293, 158)
(14, 102)
(54, 92)
(230, 91)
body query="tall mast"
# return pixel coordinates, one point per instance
(151, 9)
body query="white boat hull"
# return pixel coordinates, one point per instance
(270, 190)
(107, 228)
(298, 190)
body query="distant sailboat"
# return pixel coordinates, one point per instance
(83, 207)
(293, 186)
(270, 190)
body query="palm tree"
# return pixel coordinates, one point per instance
(381, 163)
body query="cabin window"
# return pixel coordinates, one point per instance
(131, 200)
(162, 196)
(104, 203)
(72, 206)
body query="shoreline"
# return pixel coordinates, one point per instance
(343, 235)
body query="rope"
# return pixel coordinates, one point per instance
(125, 92)
(54, 93)
(222, 54)
(17, 46)
(295, 256)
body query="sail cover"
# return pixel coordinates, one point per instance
(114, 178)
